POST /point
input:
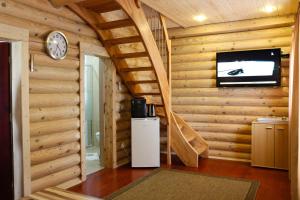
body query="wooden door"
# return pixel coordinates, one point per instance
(263, 145)
(6, 167)
(281, 146)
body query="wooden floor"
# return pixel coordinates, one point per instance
(274, 184)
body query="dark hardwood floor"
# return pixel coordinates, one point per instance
(274, 184)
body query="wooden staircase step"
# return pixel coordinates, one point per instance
(124, 40)
(115, 24)
(198, 146)
(131, 55)
(140, 82)
(136, 69)
(189, 137)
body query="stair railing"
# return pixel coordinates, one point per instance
(158, 28)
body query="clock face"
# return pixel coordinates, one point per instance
(57, 45)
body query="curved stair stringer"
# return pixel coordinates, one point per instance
(181, 146)
(192, 136)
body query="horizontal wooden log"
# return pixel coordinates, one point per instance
(194, 66)
(210, 56)
(123, 135)
(37, 46)
(194, 57)
(50, 86)
(46, 61)
(49, 127)
(226, 137)
(52, 140)
(232, 27)
(209, 83)
(46, 6)
(231, 101)
(229, 146)
(226, 119)
(124, 106)
(45, 169)
(123, 96)
(227, 128)
(230, 155)
(123, 144)
(123, 153)
(36, 52)
(125, 125)
(200, 83)
(51, 73)
(46, 155)
(202, 74)
(37, 16)
(123, 116)
(53, 100)
(233, 37)
(233, 45)
(232, 110)
(42, 30)
(231, 92)
(121, 87)
(53, 113)
(123, 161)
(56, 178)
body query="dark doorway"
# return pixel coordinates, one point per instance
(6, 166)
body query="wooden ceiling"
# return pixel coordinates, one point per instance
(216, 11)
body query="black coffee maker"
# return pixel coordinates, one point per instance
(151, 110)
(138, 107)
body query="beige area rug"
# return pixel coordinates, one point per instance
(164, 184)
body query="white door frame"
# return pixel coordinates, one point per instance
(18, 38)
(94, 50)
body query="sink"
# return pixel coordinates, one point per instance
(271, 119)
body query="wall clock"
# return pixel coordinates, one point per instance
(57, 45)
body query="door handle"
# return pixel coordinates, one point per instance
(269, 127)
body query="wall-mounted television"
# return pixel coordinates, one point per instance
(248, 68)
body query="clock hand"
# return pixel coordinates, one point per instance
(58, 48)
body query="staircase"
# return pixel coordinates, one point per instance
(187, 143)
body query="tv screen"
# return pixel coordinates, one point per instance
(248, 68)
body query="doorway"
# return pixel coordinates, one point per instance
(6, 155)
(94, 112)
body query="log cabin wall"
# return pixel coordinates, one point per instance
(55, 126)
(223, 116)
(123, 120)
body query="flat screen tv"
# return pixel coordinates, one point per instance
(248, 68)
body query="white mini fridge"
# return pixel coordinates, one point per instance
(145, 142)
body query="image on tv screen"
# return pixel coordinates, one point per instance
(245, 68)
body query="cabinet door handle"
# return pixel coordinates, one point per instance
(269, 127)
(280, 129)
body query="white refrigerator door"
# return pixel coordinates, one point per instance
(145, 142)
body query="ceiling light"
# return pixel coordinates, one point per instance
(200, 18)
(269, 8)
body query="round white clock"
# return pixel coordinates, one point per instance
(57, 45)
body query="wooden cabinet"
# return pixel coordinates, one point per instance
(270, 144)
